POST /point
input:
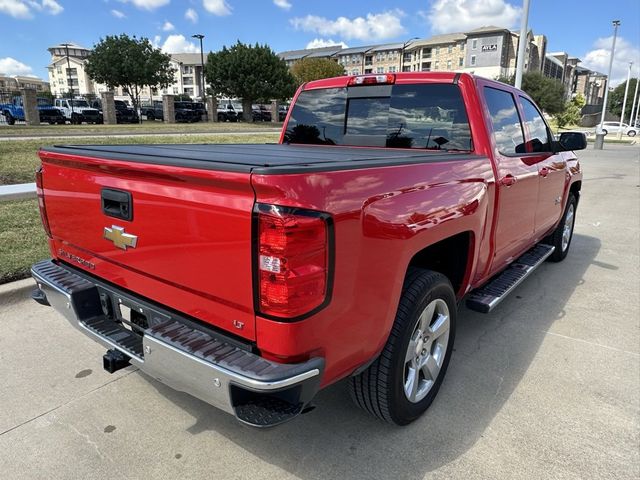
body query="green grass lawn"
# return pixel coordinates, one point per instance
(22, 239)
(19, 159)
(138, 128)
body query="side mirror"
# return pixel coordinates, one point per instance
(572, 141)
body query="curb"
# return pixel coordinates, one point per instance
(15, 291)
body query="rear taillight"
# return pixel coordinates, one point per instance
(294, 255)
(41, 206)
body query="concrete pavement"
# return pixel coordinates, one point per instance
(547, 386)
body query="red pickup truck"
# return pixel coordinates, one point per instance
(251, 276)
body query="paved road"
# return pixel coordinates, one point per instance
(547, 386)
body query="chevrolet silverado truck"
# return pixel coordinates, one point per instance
(251, 276)
(14, 111)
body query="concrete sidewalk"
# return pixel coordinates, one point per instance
(547, 386)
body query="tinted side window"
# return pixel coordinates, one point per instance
(318, 117)
(538, 134)
(507, 128)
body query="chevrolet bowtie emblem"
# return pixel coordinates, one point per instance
(119, 238)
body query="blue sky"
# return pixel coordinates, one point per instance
(579, 27)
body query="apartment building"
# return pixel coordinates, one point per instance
(67, 70)
(16, 83)
(65, 77)
(486, 51)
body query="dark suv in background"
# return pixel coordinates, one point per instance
(185, 112)
(124, 113)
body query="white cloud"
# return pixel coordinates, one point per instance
(376, 26)
(118, 14)
(217, 7)
(446, 16)
(283, 4)
(167, 26)
(52, 7)
(598, 59)
(23, 8)
(191, 15)
(147, 4)
(322, 42)
(15, 9)
(11, 66)
(178, 44)
(156, 41)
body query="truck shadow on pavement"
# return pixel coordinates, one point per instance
(492, 354)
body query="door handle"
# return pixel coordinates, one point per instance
(117, 203)
(544, 171)
(508, 180)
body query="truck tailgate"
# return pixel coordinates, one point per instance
(192, 229)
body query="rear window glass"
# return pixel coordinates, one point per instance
(423, 116)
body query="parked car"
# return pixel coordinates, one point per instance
(282, 112)
(252, 276)
(226, 113)
(184, 112)
(77, 111)
(14, 111)
(614, 127)
(124, 113)
(200, 109)
(260, 113)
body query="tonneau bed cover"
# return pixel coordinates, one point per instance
(258, 158)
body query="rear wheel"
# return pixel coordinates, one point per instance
(9, 118)
(403, 381)
(563, 234)
(631, 133)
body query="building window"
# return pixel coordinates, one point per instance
(187, 80)
(188, 91)
(448, 64)
(368, 70)
(450, 49)
(406, 68)
(392, 69)
(437, 50)
(368, 60)
(473, 60)
(380, 70)
(188, 69)
(460, 61)
(461, 45)
(72, 71)
(426, 52)
(426, 66)
(474, 44)
(436, 65)
(59, 70)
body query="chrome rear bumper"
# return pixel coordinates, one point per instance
(196, 360)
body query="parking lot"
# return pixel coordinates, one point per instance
(546, 386)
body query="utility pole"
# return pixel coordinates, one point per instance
(69, 79)
(599, 143)
(203, 93)
(522, 43)
(624, 102)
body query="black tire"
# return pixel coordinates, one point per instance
(151, 116)
(380, 389)
(10, 119)
(604, 132)
(631, 133)
(556, 238)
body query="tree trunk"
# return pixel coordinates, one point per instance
(247, 115)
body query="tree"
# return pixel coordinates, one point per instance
(546, 92)
(616, 98)
(308, 69)
(571, 112)
(252, 73)
(130, 63)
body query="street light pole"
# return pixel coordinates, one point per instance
(522, 44)
(69, 79)
(404, 45)
(203, 93)
(624, 102)
(633, 106)
(599, 143)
